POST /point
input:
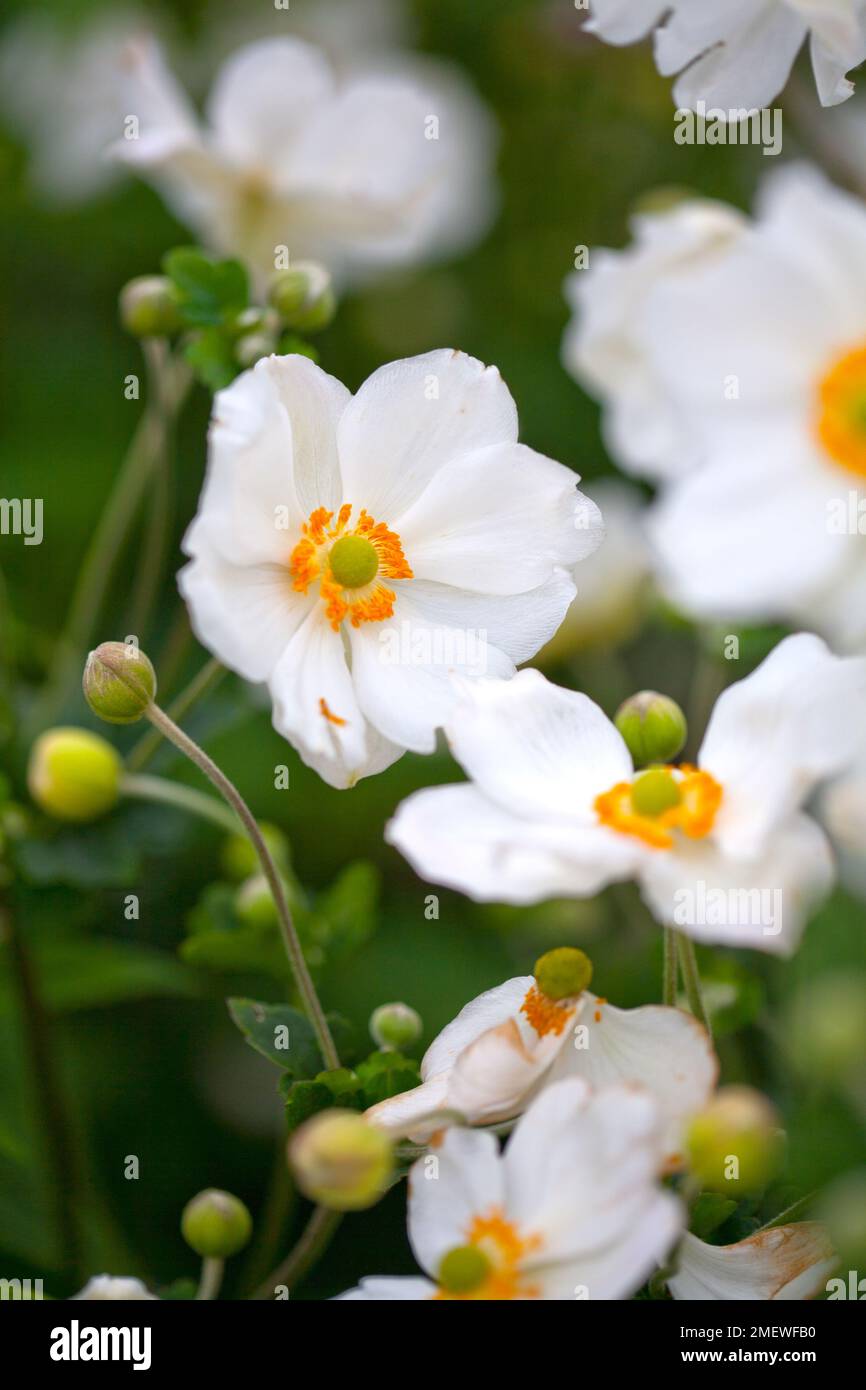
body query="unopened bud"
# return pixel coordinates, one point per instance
(254, 903)
(653, 726)
(148, 308)
(395, 1025)
(735, 1144)
(341, 1161)
(563, 973)
(215, 1224)
(74, 775)
(304, 297)
(119, 682)
(239, 859)
(252, 347)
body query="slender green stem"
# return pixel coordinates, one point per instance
(272, 1223)
(145, 788)
(292, 944)
(692, 980)
(212, 1271)
(151, 561)
(201, 684)
(791, 1213)
(669, 977)
(315, 1238)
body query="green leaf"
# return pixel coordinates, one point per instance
(303, 1099)
(349, 908)
(386, 1074)
(280, 1033)
(93, 856)
(208, 292)
(210, 353)
(710, 1211)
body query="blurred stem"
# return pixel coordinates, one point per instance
(151, 560)
(57, 1137)
(201, 684)
(278, 1204)
(291, 943)
(669, 977)
(168, 385)
(315, 1239)
(692, 980)
(791, 1213)
(212, 1271)
(160, 789)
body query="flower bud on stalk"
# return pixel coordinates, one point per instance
(148, 308)
(215, 1224)
(304, 297)
(653, 726)
(341, 1161)
(119, 682)
(735, 1144)
(74, 775)
(395, 1026)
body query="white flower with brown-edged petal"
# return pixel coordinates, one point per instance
(356, 551)
(735, 54)
(362, 172)
(570, 1210)
(721, 850)
(489, 1063)
(782, 1262)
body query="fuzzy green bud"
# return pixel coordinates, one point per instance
(563, 973)
(395, 1025)
(304, 297)
(148, 308)
(238, 856)
(74, 775)
(653, 726)
(463, 1269)
(254, 903)
(119, 682)
(341, 1161)
(252, 347)
(735, 1144)
(215, 1224)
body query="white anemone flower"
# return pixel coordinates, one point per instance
(356, 551)
(114, 1288)
(781, 1263)
(721, 850)
(510, 1042)
(843, 813)
(361, 172)
(570, 1210)
(737, 54)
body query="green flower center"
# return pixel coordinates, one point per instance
(563, 973)
(464, 1269)
(353, 561)
(655, 791)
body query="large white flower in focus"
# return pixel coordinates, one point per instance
(571, 1209)
(721, 851)
(360, 172)
(739, 53)
(355, 552)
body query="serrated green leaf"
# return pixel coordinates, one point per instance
(304, 1099)
(280, 1033)
(208, 292)
(386, 1074)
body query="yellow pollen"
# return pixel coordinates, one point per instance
(546, 1015)
(841, 417)
(329, 714)
(693, 816)
(344, 597)
(505, 1248)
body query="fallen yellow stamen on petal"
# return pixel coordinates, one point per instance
(693, 815)
(329, 715)
(369, 601)
(841, 421)
(546, 1015)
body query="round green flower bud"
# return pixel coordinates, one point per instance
(827, 1026)
(74, 775)
(563, 973)
(653, 726)
(148, 308)
(735, 1144)
(395, 1025)
(252, 347)
(341, 1161)
(303, 297)
(463, 1270)
(254, 903)
(655, 791)
(843, 1210)
(353, 561)
(239, 859)
(215, 1224)
(119, 682)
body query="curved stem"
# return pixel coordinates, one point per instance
(315, 1238)
(204, 681)
(692, 980)
(184, 798)
(292, 945)
(212, 1271)
(669, 977)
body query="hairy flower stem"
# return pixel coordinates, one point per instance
(314, 1240)
(201, 684)
(212, 1271)
(669, 976)
(692, 980)
(232, 796)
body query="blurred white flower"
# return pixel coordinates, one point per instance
(114, 1288)
(353, 33)
(363, 172)
(758, 352)
(722, 850)
(570, 1210)
(504, 1046)
(784, 1262)
(354, 552)
(739, 53)
(843, 812)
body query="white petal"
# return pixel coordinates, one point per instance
(114, 1288)
(468, 1181)
(494, 1077)
(410, 1113)
(411, 418)
(775, 735)
(390, 1289)
(536, 749)
(762, 902)
(663, 1049)
(843, 811)
(488, 1010)
(498, 521)
(624, 21)
(263, 95)
(769, 1265)
(333, 738)
(166, 120)
(747, 70)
